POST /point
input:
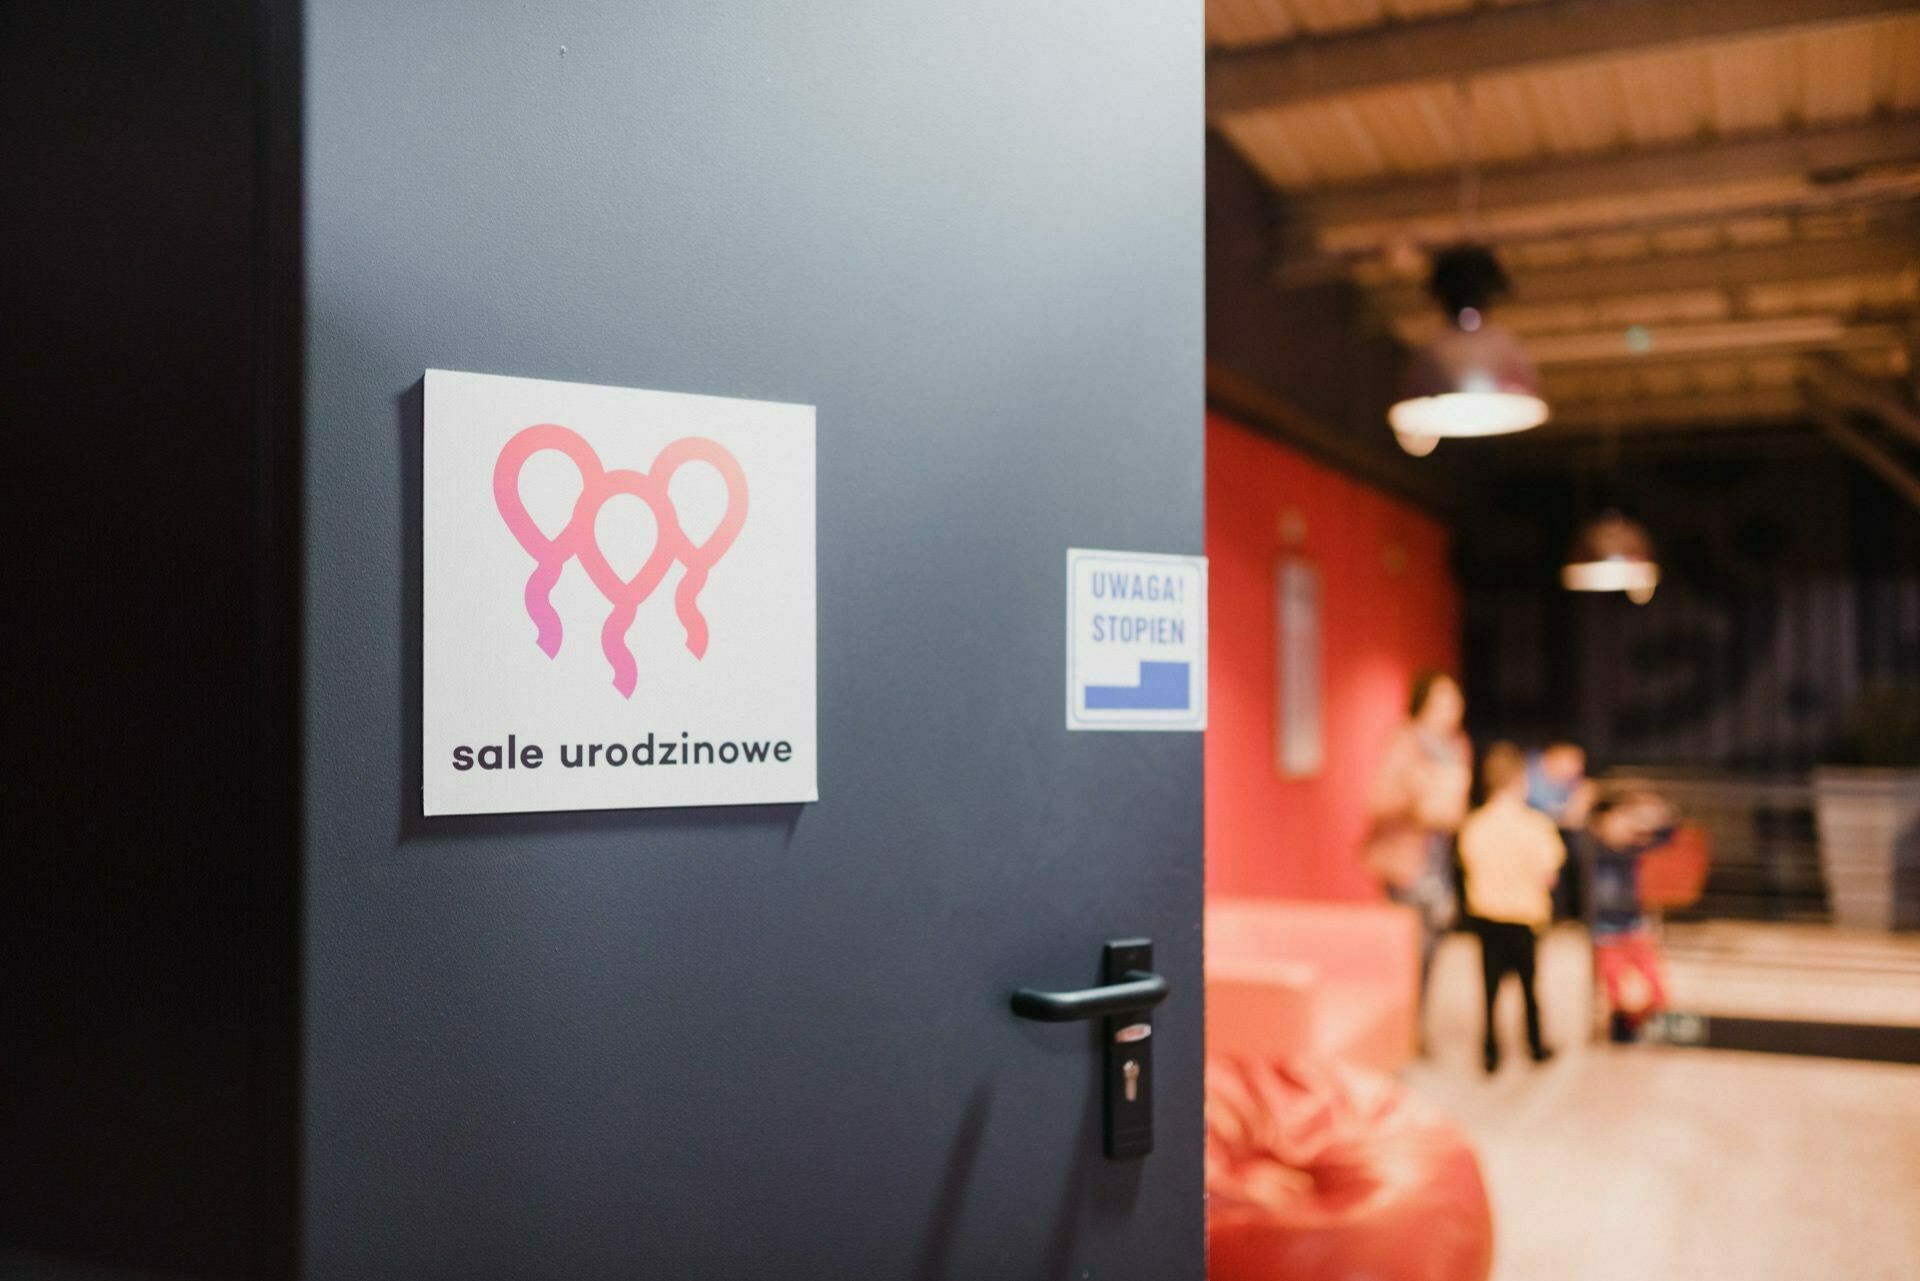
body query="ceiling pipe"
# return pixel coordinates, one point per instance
(1842, 385)
(1833, 423)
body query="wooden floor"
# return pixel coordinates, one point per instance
(1645, 1163)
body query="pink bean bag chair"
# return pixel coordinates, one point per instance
(1326, 1172)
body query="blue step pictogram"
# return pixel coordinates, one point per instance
(1163, 687)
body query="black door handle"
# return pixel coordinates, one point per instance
(1139, 990)
(1131, 989)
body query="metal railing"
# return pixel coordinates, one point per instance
(1766, 844)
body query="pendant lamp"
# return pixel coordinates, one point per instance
(1612, 554)
(1475, 379)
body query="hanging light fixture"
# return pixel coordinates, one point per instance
(1475, 379)
(1612, 554)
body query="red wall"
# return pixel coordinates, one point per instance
(1389, 606)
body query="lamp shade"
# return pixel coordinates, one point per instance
(1469, 382)
(1612, 554)
(1418, 446)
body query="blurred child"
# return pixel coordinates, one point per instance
(1624, 949)
(1512, 854)
(1557, 786)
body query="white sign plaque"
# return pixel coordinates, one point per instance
(618, 598)
(1136, 641)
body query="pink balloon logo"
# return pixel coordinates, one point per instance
(578, 539)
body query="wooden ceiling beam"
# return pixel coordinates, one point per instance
(1822, 154)
(1877, 253)
(1641, 344)
(1483, 41)
(1768, 406)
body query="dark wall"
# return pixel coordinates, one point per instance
(1291, 350)
(1789, 602)
(146, 1045)
(1311, 342)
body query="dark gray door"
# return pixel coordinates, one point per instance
(762, 1041)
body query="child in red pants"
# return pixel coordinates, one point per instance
(1630, 970)
(1624, 949)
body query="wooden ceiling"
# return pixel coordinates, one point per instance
(1710, 208)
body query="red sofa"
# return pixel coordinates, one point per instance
(1330, 981)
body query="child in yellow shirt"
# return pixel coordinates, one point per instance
(1512, 854)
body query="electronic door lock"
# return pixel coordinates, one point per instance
(1131, 989)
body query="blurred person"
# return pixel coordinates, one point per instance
(1625, 952)
(1512, 854)
(1557, 786)
(1418, 799)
